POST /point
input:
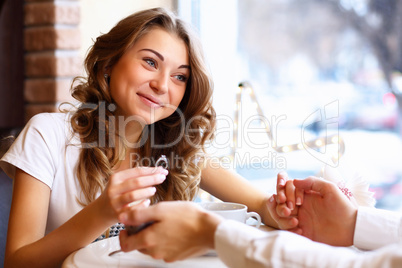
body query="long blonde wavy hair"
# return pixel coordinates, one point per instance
(94, 124)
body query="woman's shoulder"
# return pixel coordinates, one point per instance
(38, 148)
(46, 118)
(50, 124)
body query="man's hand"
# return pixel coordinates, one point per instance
(179, 230)
(326, 214)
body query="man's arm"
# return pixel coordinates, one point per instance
(328, 216)
(240, 246)
(183, 229)
(376, 228)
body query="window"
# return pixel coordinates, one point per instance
(327, 66)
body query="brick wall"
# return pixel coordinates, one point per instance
(52, 43)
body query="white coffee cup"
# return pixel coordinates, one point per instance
(231, 211)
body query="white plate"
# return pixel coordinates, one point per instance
(97, 255)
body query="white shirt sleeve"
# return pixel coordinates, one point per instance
(34, 150)
(376, 228)
(240, 246)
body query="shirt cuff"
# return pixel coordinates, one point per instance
(232, 239)
(376, 228)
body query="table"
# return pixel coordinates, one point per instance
(97, 255)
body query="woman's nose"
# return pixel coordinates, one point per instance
(160, 83)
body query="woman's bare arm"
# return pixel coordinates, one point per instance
(231, 187)
(27, 245)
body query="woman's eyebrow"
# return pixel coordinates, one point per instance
(184, 66)
(159, 55)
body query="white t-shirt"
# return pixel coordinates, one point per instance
(48, 150)
(239, 245)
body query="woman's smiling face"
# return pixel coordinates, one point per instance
(149, 80)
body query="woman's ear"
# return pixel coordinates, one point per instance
(107, 78)
(107, 70)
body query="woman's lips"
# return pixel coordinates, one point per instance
(150, 100)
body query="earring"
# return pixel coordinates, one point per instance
(107, 78)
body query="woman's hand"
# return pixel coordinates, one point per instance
(131, 187)
(288, 196)
(283, 206)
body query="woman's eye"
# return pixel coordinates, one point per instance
(150, 62)
(181, 78)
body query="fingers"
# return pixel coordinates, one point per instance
(135, 183)
(290, 195)
(139, 215)
(285, 223)
(287, 193)
(125, 244)
(314, 184)
(282, 210)
(145, 240)
(128, 242)
(137, 172)
(282, 178)
(133, 190)
(299, 196)
(132, 186)
(132, 198)
(143, 243)
(296, 230)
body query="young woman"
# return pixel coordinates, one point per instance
(147, 94)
